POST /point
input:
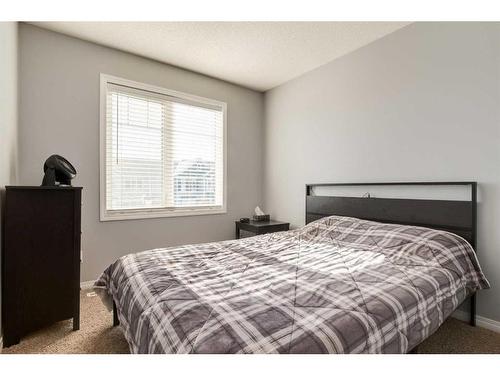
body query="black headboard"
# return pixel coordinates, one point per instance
(454, 216)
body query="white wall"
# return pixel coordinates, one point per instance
(59, 113)
(8, 111)
(421, 104)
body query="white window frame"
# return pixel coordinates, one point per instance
(146, 213)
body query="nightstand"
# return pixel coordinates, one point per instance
(261, 227)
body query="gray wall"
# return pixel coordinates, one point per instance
(422, 103)
(8, 103)
(59, 113)
(8, 112)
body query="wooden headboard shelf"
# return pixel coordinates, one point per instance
(456, 216)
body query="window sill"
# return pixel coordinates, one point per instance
(154, 214)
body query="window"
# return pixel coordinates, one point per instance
(162, 152)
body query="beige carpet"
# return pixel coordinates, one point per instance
(96, 335)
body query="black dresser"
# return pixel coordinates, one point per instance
(40, 259)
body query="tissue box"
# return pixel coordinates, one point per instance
(261, 217)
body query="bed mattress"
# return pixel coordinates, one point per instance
(337, 285)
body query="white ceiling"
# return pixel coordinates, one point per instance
(258, 55)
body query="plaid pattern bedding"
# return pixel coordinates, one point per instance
(337, 285)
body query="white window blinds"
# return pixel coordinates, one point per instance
(162, 152)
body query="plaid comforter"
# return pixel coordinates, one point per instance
(337, 285)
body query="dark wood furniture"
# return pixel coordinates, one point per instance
(116, 320)
(261, 227)
(459, 217)
(40, 259)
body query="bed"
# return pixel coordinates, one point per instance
(340, 284)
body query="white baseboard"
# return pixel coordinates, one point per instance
(481, 321)
(87, 284)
